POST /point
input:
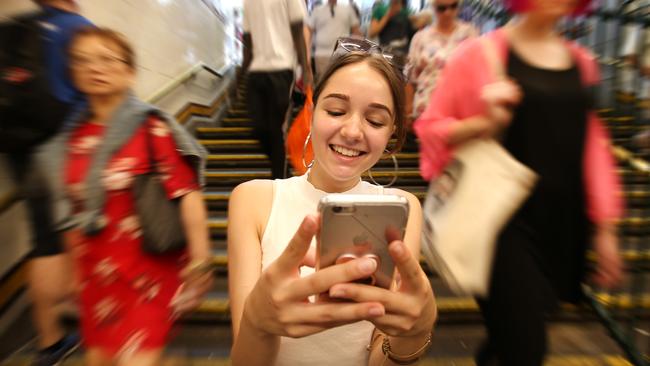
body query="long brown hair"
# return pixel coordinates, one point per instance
(390, 74)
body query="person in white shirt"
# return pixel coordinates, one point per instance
(327, 23)
(272, 224)
(274, 44)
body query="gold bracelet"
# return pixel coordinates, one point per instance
(374, 339)
(404, 359)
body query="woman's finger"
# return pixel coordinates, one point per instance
(408, 266)
(322, 280)
(333, 313)
(393, 302)
(310, 258)
(393, 325)
(295, 252)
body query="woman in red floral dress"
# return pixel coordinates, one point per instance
(128, 298)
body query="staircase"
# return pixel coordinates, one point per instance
(236, 157)
(576, 336)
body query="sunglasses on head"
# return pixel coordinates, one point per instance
(346, 45)
(444, 8)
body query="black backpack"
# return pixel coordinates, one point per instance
(29, 112)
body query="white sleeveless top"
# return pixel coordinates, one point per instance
(293, 199)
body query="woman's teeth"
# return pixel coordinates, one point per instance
(345, 151)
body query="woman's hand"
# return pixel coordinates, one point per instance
(410, 309)
(500, 98)
(609, 270)
(198, 278)
(279, 305)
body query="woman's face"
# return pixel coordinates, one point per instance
(553, 8)
(446, 10)
(353, 121)
(99, 67)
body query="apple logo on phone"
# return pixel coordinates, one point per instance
(361, 239)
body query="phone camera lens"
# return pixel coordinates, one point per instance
(337, 209)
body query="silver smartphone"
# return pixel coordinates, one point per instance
(355, 226)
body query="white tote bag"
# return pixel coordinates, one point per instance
(466, 208)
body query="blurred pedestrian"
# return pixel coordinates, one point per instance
(327, 23)
(542, 115)
(394, 24)
(273, 42)
(128, 297)
(429, 51)
(37, 107)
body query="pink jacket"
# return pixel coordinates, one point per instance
(457, 97)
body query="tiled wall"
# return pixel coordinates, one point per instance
(169, 36)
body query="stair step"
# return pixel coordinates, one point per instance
(230, 178)
(220, 260)
(619, 119)
(221, 132)
(236, 120)
(218, 304)
(219, 142)
(235, 111)
(246, 146)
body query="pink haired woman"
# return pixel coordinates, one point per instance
(542, 115)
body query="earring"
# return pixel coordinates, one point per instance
(395, 169)
(304, 152)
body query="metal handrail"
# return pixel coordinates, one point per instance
(627, 156)
(182, 78)
(7, 199)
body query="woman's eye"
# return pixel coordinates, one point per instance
(375, 123)
(335, 113)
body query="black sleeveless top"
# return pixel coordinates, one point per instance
(548, 135)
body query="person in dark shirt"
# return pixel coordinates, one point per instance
(394, 25)
(48, 268)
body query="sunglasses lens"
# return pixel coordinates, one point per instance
(443, 8)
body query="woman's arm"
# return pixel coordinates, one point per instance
(194, 219)
(604, 203)
(249, 204)
(377, 25)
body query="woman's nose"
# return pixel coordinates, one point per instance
(353, 128)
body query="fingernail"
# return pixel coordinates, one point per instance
(398, 249)
(309, 223)
(367, 265)
(337, 293)
(376, 311)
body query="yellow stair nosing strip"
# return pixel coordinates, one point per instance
(220, 224)
(223, 129)
(14, 283)
(228, 142)
(216, 196)
(236, 157)
(233, 175)
(462, 304)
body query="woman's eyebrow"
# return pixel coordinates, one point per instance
(338, 96)
(381, 106)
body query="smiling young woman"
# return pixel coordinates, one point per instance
(358, 108)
